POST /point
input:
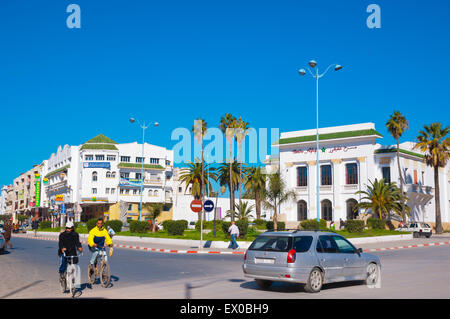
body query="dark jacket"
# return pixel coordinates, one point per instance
(7, 228)
(35, 224)
(70, 241)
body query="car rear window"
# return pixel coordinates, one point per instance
(302, 243)
(271, 243)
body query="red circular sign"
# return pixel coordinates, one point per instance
(196, 206)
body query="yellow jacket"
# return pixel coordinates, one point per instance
(99, 237)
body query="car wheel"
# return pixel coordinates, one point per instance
(263, 284)
(373, 274)
(315, 281)
(428, 236)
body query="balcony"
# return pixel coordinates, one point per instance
(420, 189)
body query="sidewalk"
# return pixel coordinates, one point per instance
(192, 246)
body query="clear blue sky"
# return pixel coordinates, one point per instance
(173, 61)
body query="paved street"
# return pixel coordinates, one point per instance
(30, 271)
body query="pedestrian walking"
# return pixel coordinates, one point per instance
(234, 231)
(35, 225)
(7, 234)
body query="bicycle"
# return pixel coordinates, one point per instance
(70, 275)
(104, 270)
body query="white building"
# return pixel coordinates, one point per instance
(3, 199)
(350, 157)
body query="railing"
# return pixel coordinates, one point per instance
(422, 189)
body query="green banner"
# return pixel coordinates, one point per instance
(38, 194)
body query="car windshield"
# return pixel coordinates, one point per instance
(272, 243)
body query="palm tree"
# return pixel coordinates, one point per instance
(256, 185)
(277, 194)
(244, 211)
(381, 198)
(223, 177)
(154, 209)
(433, 141)
(397, 125)
(241, 132)
(194, 175)
(200, 129)
(228, 125)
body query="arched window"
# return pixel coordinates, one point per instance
(155, 193)
(108, 174)
(150, 192)
(94, 176)
(113, 175)
(302, 212)
(351, 204)
(327, 211)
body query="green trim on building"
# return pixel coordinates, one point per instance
(328, 136)
(146, 166)
(98, 147)
(57, 171)
(101, 139)
(394, 150)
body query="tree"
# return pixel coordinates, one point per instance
(241, 132)
(381, 198)
(255, 184)
(228, 125)
(433, 141)
(244, 211)
(277, 194)
(233, 181)
(154, 209)
(397, 125)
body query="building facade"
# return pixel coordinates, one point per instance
(350, 157)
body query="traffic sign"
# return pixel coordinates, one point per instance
(196, 206)
(208, 205)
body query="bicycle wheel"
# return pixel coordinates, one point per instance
(105, 274)
(91, 274)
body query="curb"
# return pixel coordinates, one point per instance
(177, 251)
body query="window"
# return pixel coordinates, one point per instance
(302, 243)
(351, 204)
(271, 243)
(167, 163)
(107, 191)
(99, 157)
(125, 159)
(154, 161)
(180, 189)
(302, 213)
(121, 191)
(89, 158)
(150, 193)
(94, 176)
(113, 191)
(108, 174)
(386, 174)
(302, 176)
(351, 173)
(415, 177)
(94, 191)
(130, 207)
(140, 159)
(343, 245)
(155, 193)
(110, 158)
(138, 175)
(326, 178)
(326, 244)
(124, 175)
(327, 213)
(127, 192)
(113, 175)
(134, 191)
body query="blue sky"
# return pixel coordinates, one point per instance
(173, 61)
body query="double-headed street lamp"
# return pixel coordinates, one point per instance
(317, 76)
(144, 127)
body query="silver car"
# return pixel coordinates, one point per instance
(312, 258)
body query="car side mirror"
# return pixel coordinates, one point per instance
(359, 251)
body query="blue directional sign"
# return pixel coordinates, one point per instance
(208, 205)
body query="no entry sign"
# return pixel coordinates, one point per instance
(196, 206)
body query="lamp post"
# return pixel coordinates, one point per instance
(317, 76)
(144, 127)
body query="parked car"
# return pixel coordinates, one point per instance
(23, 228)
(311, 258)
(418, 229)
(2, 242)
(191, 225)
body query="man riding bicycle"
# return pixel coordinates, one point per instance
(69, 243)
(98, 238)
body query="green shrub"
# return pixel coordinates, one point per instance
(185, 223)
(260, 223)
(280, 226)
(91, 223)
(354, 226)
(243, 227)
(176, 227)
(311, 224)
(208, 224)
(225, 227)
(375, 223)
(140, 227)
(116, 225)
(45, 224)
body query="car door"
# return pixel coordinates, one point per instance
(329, 258)
(354, 266)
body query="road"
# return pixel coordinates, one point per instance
(30, 271)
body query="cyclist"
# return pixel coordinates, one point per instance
(69, 243)
(98, 238)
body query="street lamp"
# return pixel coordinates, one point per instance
(317, 76)
(144, 127)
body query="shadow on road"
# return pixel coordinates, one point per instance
(285, 287)
(20, 289)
